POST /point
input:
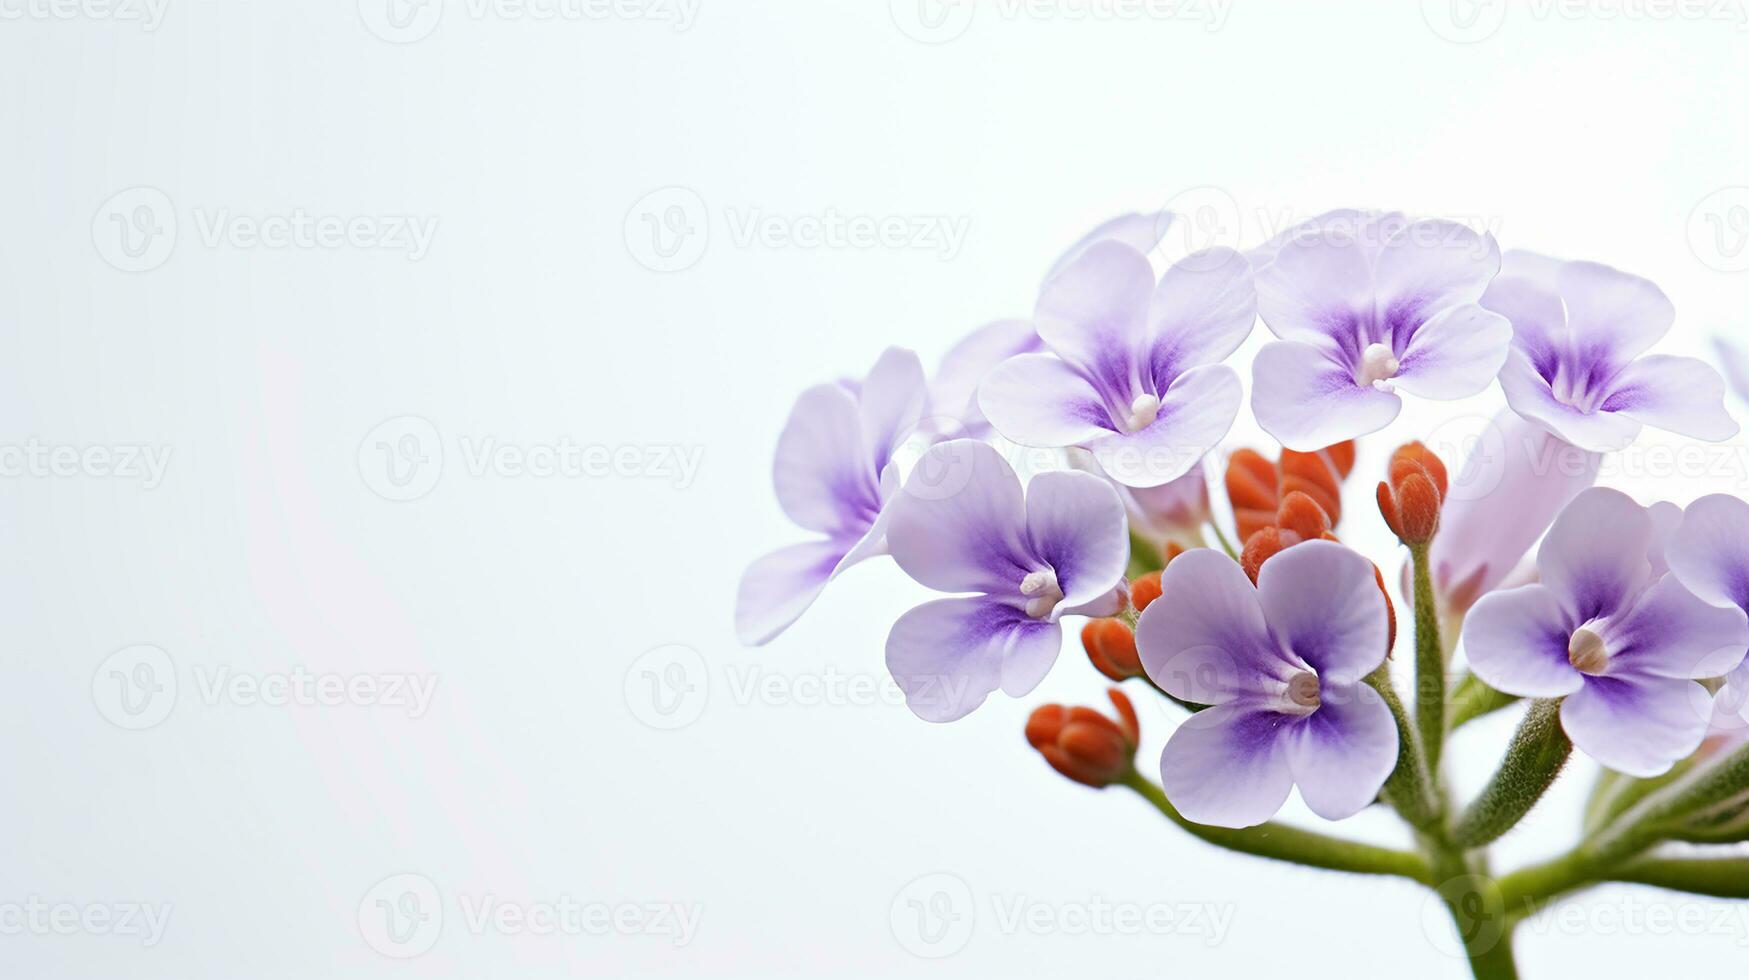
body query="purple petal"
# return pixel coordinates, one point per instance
(1428, 266)
(1311, 290)
(1195, 415)
(1525, 294)
(1455, 354)
(1367, 229)
(959, 524)
(1205, 639)
(1093, 314)
(1516, 641)
(1597, 574)
(1308, 401)
(778, 588)
(1322, 601)
(1203, 309)
(954, 391)
(1076, 524)
(1172, 510)
(1735, 364)
(1666, 518)
(1341, 754)
(1710, 550)
(1513, 483)
(1731, 706)
(1639, 726)
(1672, 633)
(1531, 396)
(1141, 232)
(823, 474)
(948, 655)
(1679, 394)
(891, 403)
(1038, 400)
(1228, 766)
(1616, 315)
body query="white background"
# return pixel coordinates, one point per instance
(534, 317)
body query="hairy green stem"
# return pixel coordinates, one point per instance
(1719, 877)
(1283, 843)
(1538, 753)
(1410, 788)
(1429, 662)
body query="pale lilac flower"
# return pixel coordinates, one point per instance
(1134, 373)
(1173, 512)
(1366, 303)
(1735, 364)
(962, 524)
(1283, 665)
(1578, 332)
(1709, 553)
(1516, 479)
(954, 389)
(1604, 629)
(834, 475)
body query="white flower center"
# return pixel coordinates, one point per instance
(1378, 364)
(1042, 592)
(1302, 690)
(1587, 652)
(1143, 411)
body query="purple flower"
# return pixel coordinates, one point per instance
(1133, 374)
(1735, 364)
(1171, 512)
(961, 524)
(1283, 664)
(1514, 482)
(1578, 332)
(834, 475)
(1709, 553)
(1613, 634)
(1366, 303)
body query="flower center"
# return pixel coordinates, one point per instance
(1302, 690)
(1143, 411)
(1586, 651)
(1042, 592)
(1378, 364)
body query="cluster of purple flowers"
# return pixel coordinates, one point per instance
(1624, 613)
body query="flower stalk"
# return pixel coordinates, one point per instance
(1538, 753)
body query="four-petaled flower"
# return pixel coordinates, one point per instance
(1578, 332)
(1364, 304)
(1284, 666)
(1133, 374)
(1611, 631)
(962, 524)
(835, 475)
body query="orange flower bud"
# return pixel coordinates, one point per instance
(1111, 646)
(1410, 500)
(1145, 590)
(1085, 745)
(1252, 489)
(1256, 487)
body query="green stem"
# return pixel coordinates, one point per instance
(1719, 877)
(1409, 789)
(1429, 662)
(1145, 556)
(1283, 843)
(1226, 545)
(1615, 794)
(1538, 753)
(1476, 907)
(1471, 699)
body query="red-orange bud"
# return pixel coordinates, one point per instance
(1111, 646)
(1085, 745)
(1410, 500)
(1145, 590)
